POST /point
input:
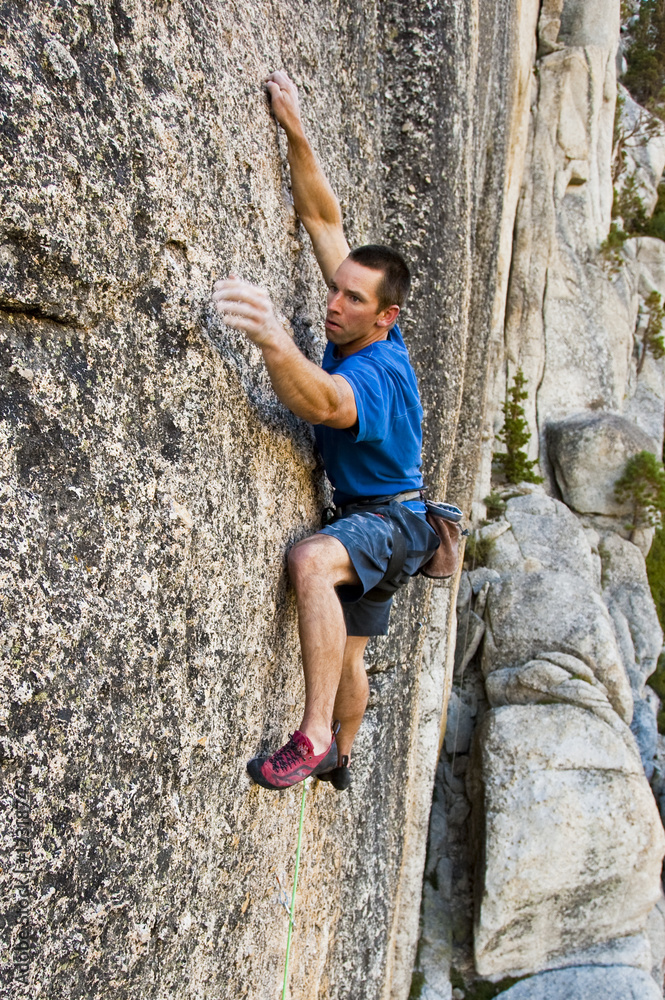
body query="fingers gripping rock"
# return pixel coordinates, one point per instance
(246, 307)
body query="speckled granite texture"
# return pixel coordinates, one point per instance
(151, 484)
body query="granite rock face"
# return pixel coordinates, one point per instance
(572, 323)
(643, 153)
(628, 598)
(549, 605)
(557, 632)
(542, 808)
(151, 483)
(532, 613)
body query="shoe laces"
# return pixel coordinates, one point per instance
(293, 752)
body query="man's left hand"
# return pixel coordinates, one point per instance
(248, 308)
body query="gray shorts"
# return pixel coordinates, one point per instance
(368, 538)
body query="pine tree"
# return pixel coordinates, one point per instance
(642, 485)
(645, 76)
(652, 336)
(515, 434)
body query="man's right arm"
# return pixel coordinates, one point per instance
(307, 390)
(314, 199)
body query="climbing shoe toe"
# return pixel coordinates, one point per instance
(254, 767)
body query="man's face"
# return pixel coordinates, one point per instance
(353, 316)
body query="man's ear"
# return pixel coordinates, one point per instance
(388, 317)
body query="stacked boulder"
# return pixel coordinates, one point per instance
(569, 833)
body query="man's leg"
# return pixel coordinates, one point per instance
(316, 566)
(352, 694)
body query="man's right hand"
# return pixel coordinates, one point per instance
(284, 100)
(247, 308)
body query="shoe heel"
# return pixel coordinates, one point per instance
(341, 777)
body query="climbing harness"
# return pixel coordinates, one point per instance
(292, 908)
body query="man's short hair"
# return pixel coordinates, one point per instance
(394, 286)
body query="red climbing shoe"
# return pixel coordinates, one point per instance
(292, 763)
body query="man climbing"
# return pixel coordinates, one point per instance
(366, 412)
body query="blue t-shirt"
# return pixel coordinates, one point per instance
(381, 455)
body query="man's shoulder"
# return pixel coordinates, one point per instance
(392, 352)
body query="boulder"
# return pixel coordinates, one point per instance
(571, 839)
(627, 594)
(546, 530)
(588, 452)
(504, 554)
(538, 532)
(656, 935)
(530, 613)
(617, 982)
(630, 949)
(541, 681)
(459, 725)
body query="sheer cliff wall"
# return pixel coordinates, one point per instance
(152, 485)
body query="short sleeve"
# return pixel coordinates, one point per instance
(374, 391)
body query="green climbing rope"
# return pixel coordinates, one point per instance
(295, 887)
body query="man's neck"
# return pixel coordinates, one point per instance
(358, 345)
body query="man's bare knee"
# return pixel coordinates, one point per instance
(302, 562)
(322, 559)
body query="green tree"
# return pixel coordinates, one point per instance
(515, 434)
(629, 218)
(629, 133)
(655, 226)
(656, 574)
(642, 485)
(643, 25)
(652, 336)
(645, 55)
(628, 206)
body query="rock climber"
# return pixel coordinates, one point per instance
(366, 412)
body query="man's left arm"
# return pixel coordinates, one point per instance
(306, 389)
